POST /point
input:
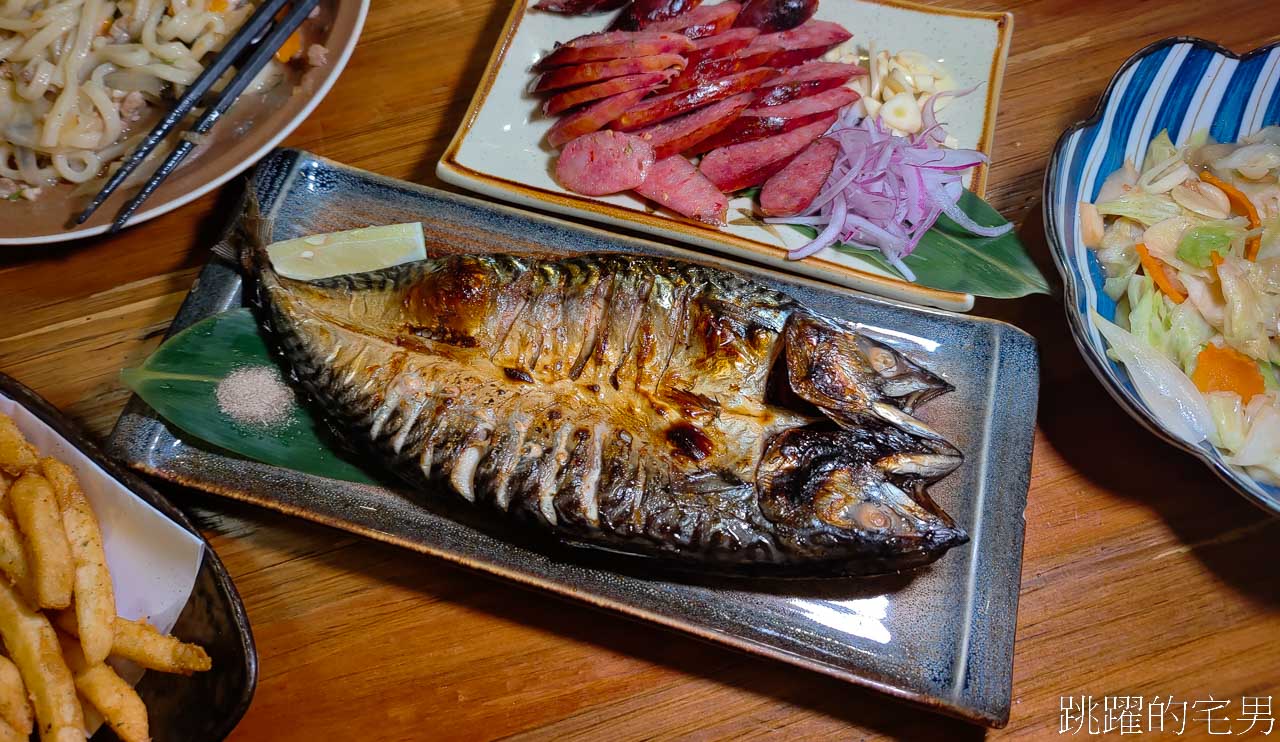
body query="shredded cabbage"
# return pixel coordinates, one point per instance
(1160, 150)
(1251, 158)
(1169, 393)
(1149, 319)
(1230, 299)
(1118, 257)
(1200, 242)
(1188, 333)
(1230, 425)
(1198, 138)
(1259, 453)
(1250, 312)
(1137, 204)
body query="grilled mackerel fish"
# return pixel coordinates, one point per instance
(639, 405)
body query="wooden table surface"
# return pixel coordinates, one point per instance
(1144, 575)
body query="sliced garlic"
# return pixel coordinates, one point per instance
(1253, 173)
(1091, 226)
(1170, 179)
(902, 112)
(1118, 183)
(880, 72)
(896, 82)
(1203, 198)
(907, 73)
(1163, 176)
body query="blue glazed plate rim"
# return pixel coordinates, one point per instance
(1094, 356)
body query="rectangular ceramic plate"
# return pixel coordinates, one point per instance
(942, 636)
(499, 149)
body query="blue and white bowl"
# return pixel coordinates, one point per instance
(1183, 85)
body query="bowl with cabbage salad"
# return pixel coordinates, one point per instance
(1162, 213)
(1190, 249)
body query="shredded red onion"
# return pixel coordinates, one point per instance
(886, 191)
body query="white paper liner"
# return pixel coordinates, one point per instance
(153, 561)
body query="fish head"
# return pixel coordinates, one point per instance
(847, 374)
(857, 493)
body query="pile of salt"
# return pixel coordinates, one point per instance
(255, 395)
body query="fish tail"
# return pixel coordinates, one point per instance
(245, 244)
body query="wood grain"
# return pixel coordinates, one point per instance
(1143, 574)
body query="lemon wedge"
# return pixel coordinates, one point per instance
(353, 251)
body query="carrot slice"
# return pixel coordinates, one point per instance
(1242, 203)
(218, 6)
(1220, 369)
(290, 48)
(1155, 269)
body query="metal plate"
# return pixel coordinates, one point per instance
(942, 636)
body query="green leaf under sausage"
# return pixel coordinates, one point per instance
(951, 259)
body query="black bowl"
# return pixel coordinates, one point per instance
(204, 706)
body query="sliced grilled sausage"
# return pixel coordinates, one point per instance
(750, 128)
(744, 165)
(721, 45)
(615, 45)
(566, 99)
(593, 118)
(644, 13)
(683, 133)
(702, 21)
(807, 79)
(829, 100)
(604, 162)
(675, 183)
(580, 7)
(807, 41)
(771, 16)
(663, 107)
(713, 69)
(589, 72)
(790, 191)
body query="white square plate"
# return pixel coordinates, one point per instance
(499, 149)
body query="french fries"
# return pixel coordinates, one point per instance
(53, 571)
(107, 692)
(33, 646)
(36, 513)
(95, 603)
(140, 643)
(16, 455)
(15, 707)
(13, 557)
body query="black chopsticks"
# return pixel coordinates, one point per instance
(256, 50)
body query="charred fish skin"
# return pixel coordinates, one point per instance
(623, 402)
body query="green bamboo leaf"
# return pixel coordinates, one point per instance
(180, 379)
(951, 259)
